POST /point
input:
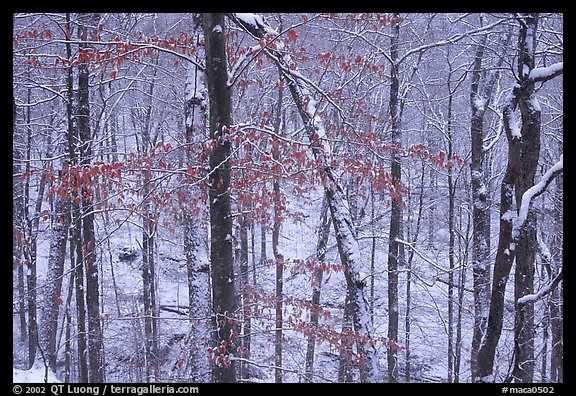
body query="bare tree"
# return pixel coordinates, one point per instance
(221, 259)
(517, 239)
(87, 22)
(196, 114)
(482, 87)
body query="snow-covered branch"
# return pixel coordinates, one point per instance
(534, 192)
(542, 74)
(542, 292)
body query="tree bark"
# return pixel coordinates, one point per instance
(278, 257)
(221, 259)
(481, 210)
(396, 211)
(504, 258)
(323, 234)
(345, 358)
(88, 22)
(18, 224)
(527, 245)
(52, 298)
(195, 116)
(148, 257)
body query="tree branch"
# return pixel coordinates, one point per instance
(543, 292)
(534, 192)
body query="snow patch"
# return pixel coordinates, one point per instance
(514, 125)
(508, 216)
(478, 102)
(36, 374)
(255, 20)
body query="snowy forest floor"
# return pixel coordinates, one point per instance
(122, 308)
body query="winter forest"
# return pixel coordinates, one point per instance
(287, 197)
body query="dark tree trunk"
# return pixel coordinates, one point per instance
(396, 213)
(88, 22)
(278, 257)
(503, 261)
(148, 257)
(18, 224)
(482, 87)
(221, 259)
(481, 210)
(527, 245)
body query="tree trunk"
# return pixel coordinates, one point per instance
(481, 210)
(481, 91)
(18, 224)
(527, 245)
(148, 258)
(396, 214)
(345, 358)
(452, 232)
(503, 261)
(221, 260)
(323, 234)
(68, 319)
(88, 22)
(195, 114)
(279, 210)
(53, 289)
(30, 227)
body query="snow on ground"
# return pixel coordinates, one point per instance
(37, 374)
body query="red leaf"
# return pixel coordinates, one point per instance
(292, 35)
(59, 300)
